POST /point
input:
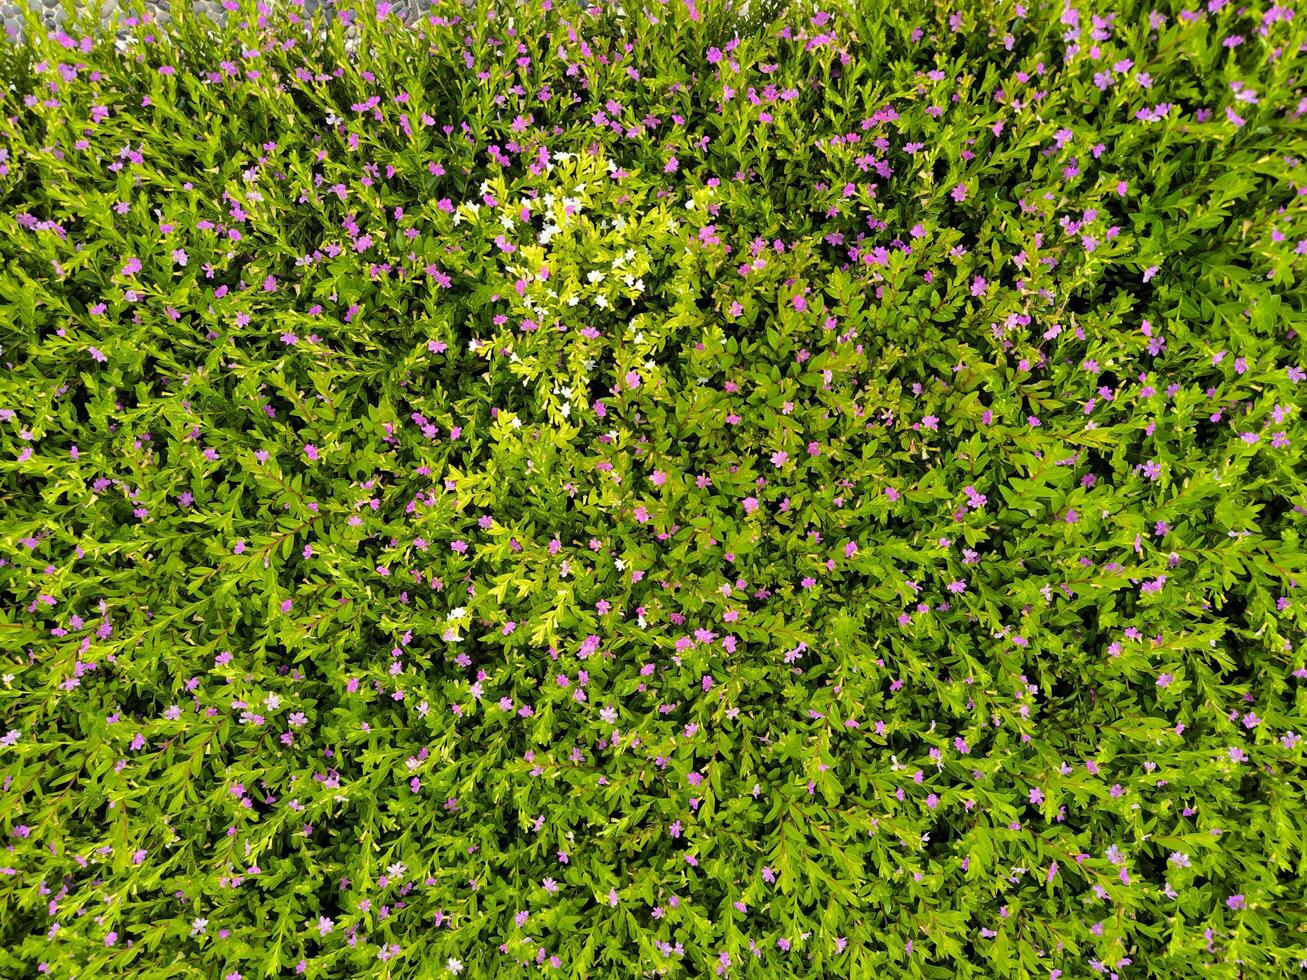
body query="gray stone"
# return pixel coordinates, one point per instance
(51, 12)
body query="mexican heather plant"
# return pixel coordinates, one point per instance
(615, 492)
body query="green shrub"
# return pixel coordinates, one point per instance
(655, 490)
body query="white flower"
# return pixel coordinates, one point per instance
(594, 276)
(457, 613)
(396, 870)
(454, 966)
(601, 301)
(198, 926)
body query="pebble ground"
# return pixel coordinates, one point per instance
(52, 13)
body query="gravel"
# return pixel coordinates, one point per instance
(52, 13)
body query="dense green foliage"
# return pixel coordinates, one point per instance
(626, 492)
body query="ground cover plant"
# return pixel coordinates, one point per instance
(660, 490)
